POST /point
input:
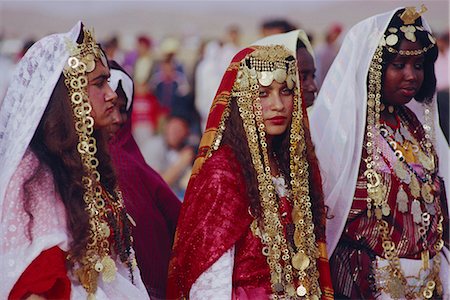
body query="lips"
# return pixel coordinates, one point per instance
(278, 120)
(408, 91)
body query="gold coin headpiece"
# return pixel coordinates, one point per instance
(97, 256)
(393, 34)
(265, 65)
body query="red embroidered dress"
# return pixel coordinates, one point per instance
(351, 262)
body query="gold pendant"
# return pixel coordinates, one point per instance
(109, 269)
(297, 238)
(301, 290)
(385, 209)
(400, 171)
(416, 211)
(425, 259)
(300, 261)
(427, 193)
(427, 162)
(378, 213)
(396, 288)
(402, 200)
(414, 186)
(91, 296)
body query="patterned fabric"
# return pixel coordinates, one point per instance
(352, 261)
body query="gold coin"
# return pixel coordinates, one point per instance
(301, 291)
(109, 269)
(391, 39)
(431, 284)
(300, 261)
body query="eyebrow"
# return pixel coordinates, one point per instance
(104, 75)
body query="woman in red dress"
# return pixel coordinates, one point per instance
(252, 222)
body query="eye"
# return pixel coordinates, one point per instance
(418, 66)
(286, 91)
(398, 65)
(263, 93)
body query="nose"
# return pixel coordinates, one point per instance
(277, 102)
(110, 95)
(410, 73)
(310, 85)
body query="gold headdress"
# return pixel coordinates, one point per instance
(408, 30)
(293, 268)
(97, 257)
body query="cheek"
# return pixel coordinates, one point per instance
(96, 99)
(264, 107)
(289, 103)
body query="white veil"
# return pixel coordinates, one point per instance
(27, 96)
(289, 40)
(338, 119)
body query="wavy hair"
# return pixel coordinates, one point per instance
(55, 144)
(234, 136)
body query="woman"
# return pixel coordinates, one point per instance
(148, 199)
(247, 227)
(64, 230)
(297, 41)
(383, 160)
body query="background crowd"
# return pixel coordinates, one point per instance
(176, 79)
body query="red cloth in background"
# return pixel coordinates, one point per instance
(46, 276)
(152, 205)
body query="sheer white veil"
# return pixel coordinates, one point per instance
(289, 40)
(27, 96)
(338, 119)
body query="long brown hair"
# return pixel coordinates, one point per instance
(55, 144)
(234, 136)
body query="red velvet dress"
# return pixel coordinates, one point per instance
(209, 227)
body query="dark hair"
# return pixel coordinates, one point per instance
(300, 44)
(113, 65)
(235, 137)
(428, 88)
(55, 144)
(283, 25)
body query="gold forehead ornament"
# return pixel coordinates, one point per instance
(410, 15)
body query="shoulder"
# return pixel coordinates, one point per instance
(222, 162)
(221, 171)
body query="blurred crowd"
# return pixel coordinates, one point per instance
(173, 94)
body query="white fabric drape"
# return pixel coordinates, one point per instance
(338, 120)
(30, 88)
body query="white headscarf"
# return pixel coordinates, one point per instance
(338, 120)
(117, 76)
(29, 91)
(289, 40)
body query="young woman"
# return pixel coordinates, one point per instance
(147, 197)
(384, 162)
(64, 231)
(252, 221)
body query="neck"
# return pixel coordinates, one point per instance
(389, 116)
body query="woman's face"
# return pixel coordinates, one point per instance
(119, 114)
(307, 72)
(403, 76)
(276, 102)
(101, 96)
